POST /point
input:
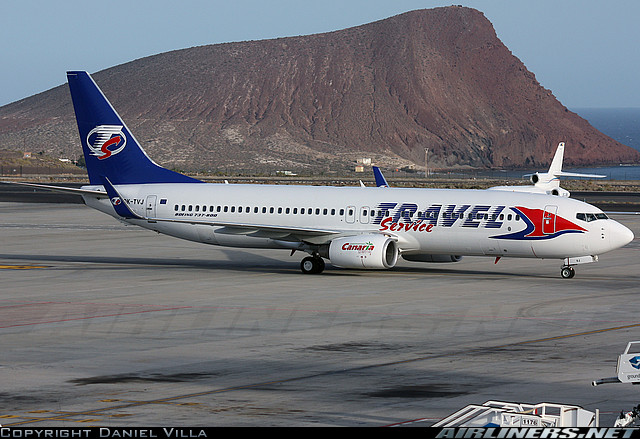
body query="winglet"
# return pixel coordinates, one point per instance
(380, 180)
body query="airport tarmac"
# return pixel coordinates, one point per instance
(110, 325)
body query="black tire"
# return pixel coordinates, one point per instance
(567, 272)
(311, 265)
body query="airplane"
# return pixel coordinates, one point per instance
(543, 182)
(351, 227)
(548, 182)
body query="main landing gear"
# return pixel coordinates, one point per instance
(312, 265)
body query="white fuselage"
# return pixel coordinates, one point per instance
(424, 221)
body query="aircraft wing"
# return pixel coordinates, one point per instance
(284, 233)
(123, 209)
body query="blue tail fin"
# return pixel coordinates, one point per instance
(380, 180)
(110, 150)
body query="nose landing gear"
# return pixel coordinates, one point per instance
(567, 272)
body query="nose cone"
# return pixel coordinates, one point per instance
(620, 236)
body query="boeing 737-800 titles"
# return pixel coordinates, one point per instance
(352, 227)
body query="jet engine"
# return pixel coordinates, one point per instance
(432, 258)
(534, 178)
(559, 192)
(372, 251)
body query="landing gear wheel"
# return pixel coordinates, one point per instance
(567, 272)
(312, 265)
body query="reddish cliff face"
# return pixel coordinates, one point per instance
(437, 79)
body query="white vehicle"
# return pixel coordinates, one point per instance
(627, 368)
(352, 227)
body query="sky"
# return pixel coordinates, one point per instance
(582, 50)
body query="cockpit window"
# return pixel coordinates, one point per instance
(588, 217)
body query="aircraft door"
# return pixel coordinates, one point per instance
(549, 220)
(364, 215)
(150, 206)
(350, 214)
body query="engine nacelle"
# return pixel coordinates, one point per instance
(432, 258)
(558, 191)
(371, 251)
(534, 178)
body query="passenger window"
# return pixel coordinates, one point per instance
(271, 210)
(333, 211)
(341, 212)
(279, 210)
(324, 211)
(175, 207)
(302, 211)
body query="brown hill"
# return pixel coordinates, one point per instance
(437, 79)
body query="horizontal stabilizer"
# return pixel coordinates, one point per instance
(62, 189)
(574, 174)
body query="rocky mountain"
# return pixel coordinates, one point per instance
(436, 79)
